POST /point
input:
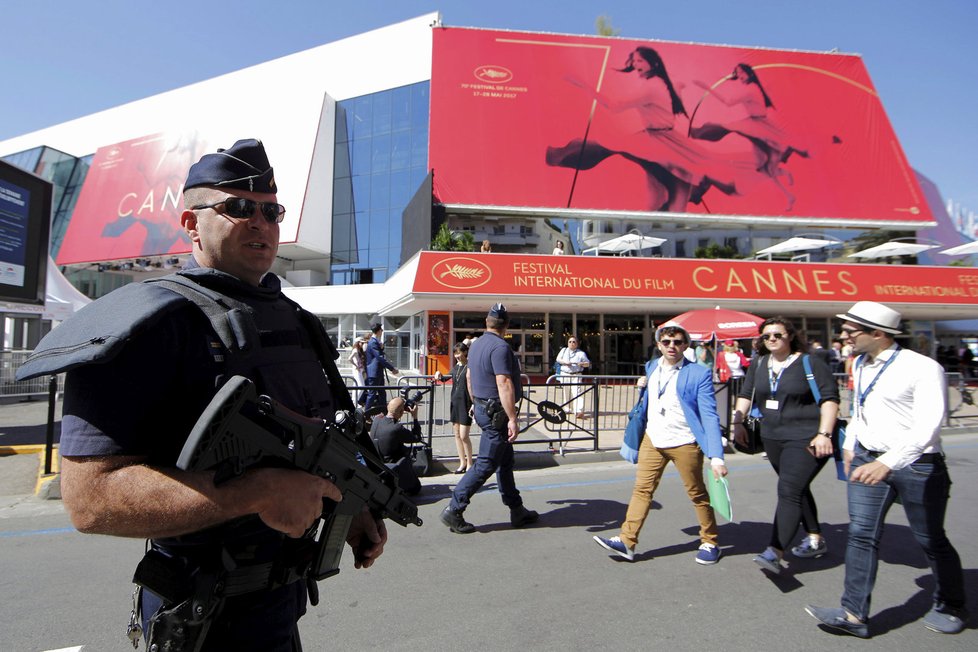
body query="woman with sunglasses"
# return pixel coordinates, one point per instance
(796, 431)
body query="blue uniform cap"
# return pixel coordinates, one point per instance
(243, 166)
(498, 311)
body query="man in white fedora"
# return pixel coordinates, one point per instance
(893, 452)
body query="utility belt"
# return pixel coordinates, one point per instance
(926, 458)
(498, 419)
(194, 593)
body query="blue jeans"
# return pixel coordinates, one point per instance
(495, 456)
(923, 488)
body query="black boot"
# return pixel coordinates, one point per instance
(453, 519)
(520, 516)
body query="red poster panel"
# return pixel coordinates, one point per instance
(584, 123)
(130, 203)
(439, 354)
(691, 278)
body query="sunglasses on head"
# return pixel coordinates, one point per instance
(668, 342)
(773, 336)
(242, 209)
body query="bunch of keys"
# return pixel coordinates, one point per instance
(135, 629)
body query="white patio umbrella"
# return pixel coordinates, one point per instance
(961, 250)
(893, 248)
(797, 243)
(627, 242)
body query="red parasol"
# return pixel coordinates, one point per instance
(721, 323)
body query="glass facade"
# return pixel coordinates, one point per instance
(381, 159)
(66, 173)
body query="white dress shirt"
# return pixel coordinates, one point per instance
(902, 413)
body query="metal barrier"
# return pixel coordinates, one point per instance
(10, 361)
(429, 407)
(960, 401)
(606, 400)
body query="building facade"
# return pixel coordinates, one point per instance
(372, 157)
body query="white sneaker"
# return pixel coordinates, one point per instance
(811, 547)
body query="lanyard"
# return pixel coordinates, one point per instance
(673, 374)
(859, 381)
(774, 380)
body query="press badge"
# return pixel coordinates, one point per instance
(771, 404)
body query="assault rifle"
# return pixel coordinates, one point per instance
(240, 429)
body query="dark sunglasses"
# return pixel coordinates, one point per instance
(852, 331)
(242, 209)
(668, 342)
(773, 336)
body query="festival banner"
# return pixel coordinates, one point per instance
(130, 202)
(691, 278)
(588, 123)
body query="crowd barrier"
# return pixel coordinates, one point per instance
(33, 388)
(603, 403)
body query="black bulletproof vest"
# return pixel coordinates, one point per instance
(265, 337)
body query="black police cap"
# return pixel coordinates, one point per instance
(499, 311)
(243, 166)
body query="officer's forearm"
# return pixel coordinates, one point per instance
(507, 395)
(121, 496)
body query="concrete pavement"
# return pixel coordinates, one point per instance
(546, 587)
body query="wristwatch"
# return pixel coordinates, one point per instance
(822, 432)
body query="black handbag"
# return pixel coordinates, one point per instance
(752, 424)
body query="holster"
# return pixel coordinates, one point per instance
(192, 598)
(497, 415)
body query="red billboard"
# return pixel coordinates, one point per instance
(691, 278)
(130, 202)
(587, 123)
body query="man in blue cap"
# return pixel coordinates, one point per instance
(227, 566)
(494, 384)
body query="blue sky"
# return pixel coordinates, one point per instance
(61, 59)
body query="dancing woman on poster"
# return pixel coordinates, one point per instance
(678, 169)
(770, 144)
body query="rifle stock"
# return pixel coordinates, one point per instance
(240, 430)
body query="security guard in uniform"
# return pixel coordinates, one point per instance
(493, 380)
(159, 363)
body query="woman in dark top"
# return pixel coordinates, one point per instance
(796, 432)
(461, 406)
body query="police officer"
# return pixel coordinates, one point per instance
(127, 417)
(493, 380)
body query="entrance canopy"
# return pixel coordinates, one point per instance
(433, 280)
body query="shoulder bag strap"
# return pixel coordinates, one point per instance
(810, 377)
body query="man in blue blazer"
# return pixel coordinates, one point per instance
(680, 422)
(376, 362)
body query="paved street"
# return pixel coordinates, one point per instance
(544, 588)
